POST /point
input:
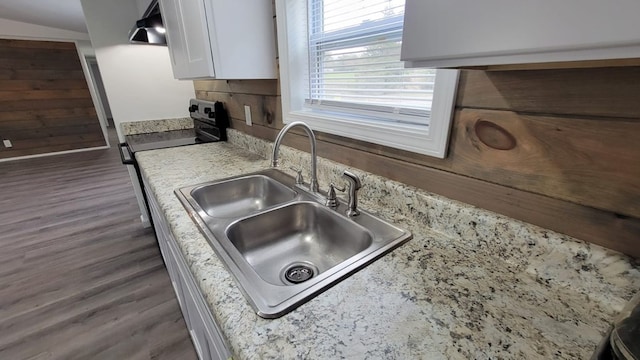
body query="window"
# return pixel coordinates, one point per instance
(341, 73)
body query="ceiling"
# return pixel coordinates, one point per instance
(61, 14)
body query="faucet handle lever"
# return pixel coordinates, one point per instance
(299, 179)
(332, 199)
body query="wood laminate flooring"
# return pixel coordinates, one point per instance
(80, 278)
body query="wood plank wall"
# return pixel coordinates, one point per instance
(45, 104)
(555, 148)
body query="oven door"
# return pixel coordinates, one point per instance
(207, 131)
(128, 158)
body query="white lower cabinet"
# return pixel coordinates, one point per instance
(205, 333)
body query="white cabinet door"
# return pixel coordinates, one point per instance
(493, 32)
(205, 333)
(196, 326)
(187, 38)
(165, 240)
(216, 346)
(176, 280)
(220, 39)
(242, 34)
(185, 296)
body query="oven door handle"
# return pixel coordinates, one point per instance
(126, 155)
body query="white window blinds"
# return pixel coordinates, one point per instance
(354, 62)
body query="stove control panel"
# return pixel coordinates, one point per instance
(210, 119)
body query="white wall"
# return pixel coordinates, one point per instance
(137, 78)
(10, 29)
(142, 6)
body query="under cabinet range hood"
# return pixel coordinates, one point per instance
(150, 29)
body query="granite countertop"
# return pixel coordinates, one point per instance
(470, 284)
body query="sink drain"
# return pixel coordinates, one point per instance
(298, 273)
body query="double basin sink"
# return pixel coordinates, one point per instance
(280, 242)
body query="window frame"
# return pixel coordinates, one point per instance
(429, 140)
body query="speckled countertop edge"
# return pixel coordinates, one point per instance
(471, 284)
(149, 126)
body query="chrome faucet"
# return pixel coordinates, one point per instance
(313, 184)
(354, 186)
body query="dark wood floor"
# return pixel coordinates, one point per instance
(80, 278)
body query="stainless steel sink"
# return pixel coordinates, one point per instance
(282, 246)
(242, 196)
(298, 236)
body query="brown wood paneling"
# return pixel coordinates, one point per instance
(23, 54)
(50, 84)
(51, 63)
(63, 103)
(9, 43)
(592, 162)
(259, 131)
(31, 114)
(45, 94)
(45, 104)
(16, 74)
(263, 107)
(30, 124)
(56, 131)
(608, 92)
(559, 65)
(255, 87)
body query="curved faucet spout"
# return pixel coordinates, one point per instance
(313, 185)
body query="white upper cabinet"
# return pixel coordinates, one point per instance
(188, 38)
(459, 33)
(220, 39)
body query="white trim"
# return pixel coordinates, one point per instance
(28, 31)
(38, 38)
(54, 153)
(431, 140)
(444, 99)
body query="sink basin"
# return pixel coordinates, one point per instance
(241, 196)
(280, 243)
(299, 236)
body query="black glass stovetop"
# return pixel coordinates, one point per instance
(161, 140)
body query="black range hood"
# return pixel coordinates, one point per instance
(150, 29)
